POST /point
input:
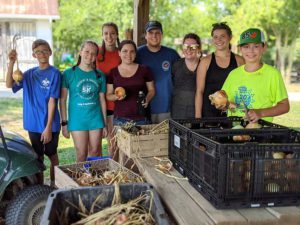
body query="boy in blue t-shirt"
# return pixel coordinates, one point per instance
(41, 90)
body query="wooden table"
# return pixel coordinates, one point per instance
(188, 207)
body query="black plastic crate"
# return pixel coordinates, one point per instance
(178, 145)
(179, 134)
(58, 201)
(211, 123)
(239, 175)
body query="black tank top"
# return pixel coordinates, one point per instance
(215, 78)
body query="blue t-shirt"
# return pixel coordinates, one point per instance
(160, 64)
(84, 111)
(38, 86)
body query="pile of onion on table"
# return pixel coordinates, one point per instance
(94, 177)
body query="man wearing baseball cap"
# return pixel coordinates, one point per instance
(160, 59)
(257, 89)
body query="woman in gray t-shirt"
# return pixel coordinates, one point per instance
(184, 78)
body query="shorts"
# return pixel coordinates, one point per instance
(109, 112)
(48, 149)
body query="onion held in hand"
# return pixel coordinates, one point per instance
(17, 75)
(120, 92)
(219, 99)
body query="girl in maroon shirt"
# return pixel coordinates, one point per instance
(133, 78)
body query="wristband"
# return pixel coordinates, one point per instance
(64, 122)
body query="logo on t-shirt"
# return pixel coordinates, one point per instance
(244, 95)
(46, 83)
(87, 89)
(165, 65)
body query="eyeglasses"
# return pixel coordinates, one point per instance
(190, 47)
(44, 52)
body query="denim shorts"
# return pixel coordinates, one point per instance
(119, 121)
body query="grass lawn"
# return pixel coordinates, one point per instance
(11, 119)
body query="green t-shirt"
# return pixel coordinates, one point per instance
(84, 110)
(263, 88)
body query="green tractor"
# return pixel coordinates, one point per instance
(22, 199)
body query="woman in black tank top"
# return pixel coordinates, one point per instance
(213, 71)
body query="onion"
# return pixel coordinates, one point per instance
(238, 127)
(219, 99)
(272, 187)
(120, 92)
(278, 155)
(121, 219)
(17, 75)
(253, 126)
(240, 137)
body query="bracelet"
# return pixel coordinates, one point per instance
(64, 123)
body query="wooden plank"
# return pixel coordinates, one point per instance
(62, 180)
(220, 217)
(143, 145)
(182, 207)
(259, 216)
(286, 215)
(189, 204)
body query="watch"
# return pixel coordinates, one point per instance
(64, 122)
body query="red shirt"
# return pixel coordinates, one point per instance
(111, 60)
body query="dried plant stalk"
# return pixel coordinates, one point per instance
(133, 212)
(95, 177)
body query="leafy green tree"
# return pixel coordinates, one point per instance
(278, 18)
(81, 20)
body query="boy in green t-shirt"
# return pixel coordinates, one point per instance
(257, 89)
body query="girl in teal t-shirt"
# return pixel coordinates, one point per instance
(86, 88)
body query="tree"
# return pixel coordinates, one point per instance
(278, 18)
(81, 20)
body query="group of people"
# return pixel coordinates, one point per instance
(173, 87)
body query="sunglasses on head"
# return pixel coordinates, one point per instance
(190, 47)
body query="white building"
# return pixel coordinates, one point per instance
(29, 20)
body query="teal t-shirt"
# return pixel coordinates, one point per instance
(84, 109)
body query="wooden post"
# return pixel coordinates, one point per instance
(129, 34)
(141, 17)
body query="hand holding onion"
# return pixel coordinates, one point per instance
(120, 93)
(220, 100)
(17, 74)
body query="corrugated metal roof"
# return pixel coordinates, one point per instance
(29, 7)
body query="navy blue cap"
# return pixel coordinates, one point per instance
(153, 25)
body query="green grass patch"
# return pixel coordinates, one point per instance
(11, 119)
(292, 118)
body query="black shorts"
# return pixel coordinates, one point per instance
(109, 112)
(48, 149)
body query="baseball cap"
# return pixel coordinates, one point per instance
(153, 25)
(252, 35)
